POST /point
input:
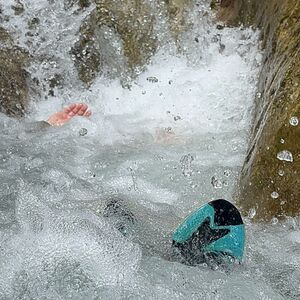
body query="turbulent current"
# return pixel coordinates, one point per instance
(170, 140)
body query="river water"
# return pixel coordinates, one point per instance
(158, 149)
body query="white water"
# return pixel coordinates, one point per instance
(163, 148)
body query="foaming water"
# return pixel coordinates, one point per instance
(159, 148)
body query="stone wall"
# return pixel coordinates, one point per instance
(269, 184)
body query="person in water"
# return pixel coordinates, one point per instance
(213, 234)
(163, 136)
(61, 117)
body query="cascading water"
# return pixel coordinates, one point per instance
(173, 139)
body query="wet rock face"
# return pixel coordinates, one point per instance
(5, 38)
(86, 52)
(177, 15)
(117, 38)
(130, 23)
(81, 3)
(13, 84)
(269, 184)
(120, 35)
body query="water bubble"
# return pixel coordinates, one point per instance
(152, 79)
(252, 213)
(132, 171)
(83, 132)
(282, 141)
(234, 148)
(292, 223)
(216, 183)
(274, 221)
(169, 130)
(225, 183)
(285, 155)
(280, 172)
(274, 195)
(294, 121)
(227, 173)
(222, 47)
(186, 165)
(216, 38)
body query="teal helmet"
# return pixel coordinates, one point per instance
(213, 231)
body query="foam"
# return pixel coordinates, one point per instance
(157, 148)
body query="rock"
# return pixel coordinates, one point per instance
(274, 130)
(119, 35)
(115, 29)
(5, 38)
(13, 77)
(86, 53)
(177, 10)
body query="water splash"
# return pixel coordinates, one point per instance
(285, 155)
(55, 241)
(252, 213)
(83, 132)
(274, 195)
(294, 121)
(216, 183)
(186, 165)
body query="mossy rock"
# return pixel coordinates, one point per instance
(263, 174)
(177, 11)
(85, 53)
(130, 21)
(267, 184)
(13, 83)
(5, 38)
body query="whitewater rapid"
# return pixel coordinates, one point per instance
(171, 141)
